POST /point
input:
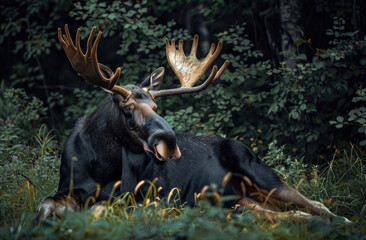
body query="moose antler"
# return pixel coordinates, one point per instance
(189, 69)
(87, 64)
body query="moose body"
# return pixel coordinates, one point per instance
(102, 156)
(125, 140)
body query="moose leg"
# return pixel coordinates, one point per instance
(264, 213)
(57, 205)
(287, 194)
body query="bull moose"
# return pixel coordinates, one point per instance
(125, 139)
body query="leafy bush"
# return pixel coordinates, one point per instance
(28, 175)
(289, 169)
(24, 165)
(30, 27)
(356, 117)
(293, 105)
(81, 103)
(20, 115)
(321, 84)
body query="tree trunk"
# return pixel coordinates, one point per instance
(291, 28)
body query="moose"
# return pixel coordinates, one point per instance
(125, 140)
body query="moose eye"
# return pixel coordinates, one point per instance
(127, 110)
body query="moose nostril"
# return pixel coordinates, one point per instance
(163, 151)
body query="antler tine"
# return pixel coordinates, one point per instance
(90, 41)
(169, 50)
(87, 64)
(221, 70)
(194, 45)
(189, 69)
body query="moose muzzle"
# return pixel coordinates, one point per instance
(161, 140)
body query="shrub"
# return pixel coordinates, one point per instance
(28, 154)
(293, 105)
(356, 117)
(20, 115)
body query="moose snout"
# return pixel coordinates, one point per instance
(164, 146)
(162, 141)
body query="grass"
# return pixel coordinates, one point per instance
(153, 222)
(32, 174)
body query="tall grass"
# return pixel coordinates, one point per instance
(340, 185)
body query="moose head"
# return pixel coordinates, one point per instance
(136, 104)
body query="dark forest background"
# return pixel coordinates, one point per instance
(294, 92)
(296, 74)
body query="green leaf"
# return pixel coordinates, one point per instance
(295, 114)
(298, 42)
(303, 107)
(361, 120)
(340, 119)
(112, 16)
(361, 129)
(363, 61)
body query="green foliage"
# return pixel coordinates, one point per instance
(289, 169)
(85, 102)
(219, 108)
(205, 120)
(333, 184)
(249, 70)
(141, 38)
(356, 117)
(187, 117)
(19, 116)
(336, 185)
(286, 103)
(24, 165)
(311, 88)
(28, 174)
(81, 103)
(33, 35)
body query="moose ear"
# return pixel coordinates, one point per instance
(153, 82)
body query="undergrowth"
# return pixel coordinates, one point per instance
(203, 222)
(340, 186)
